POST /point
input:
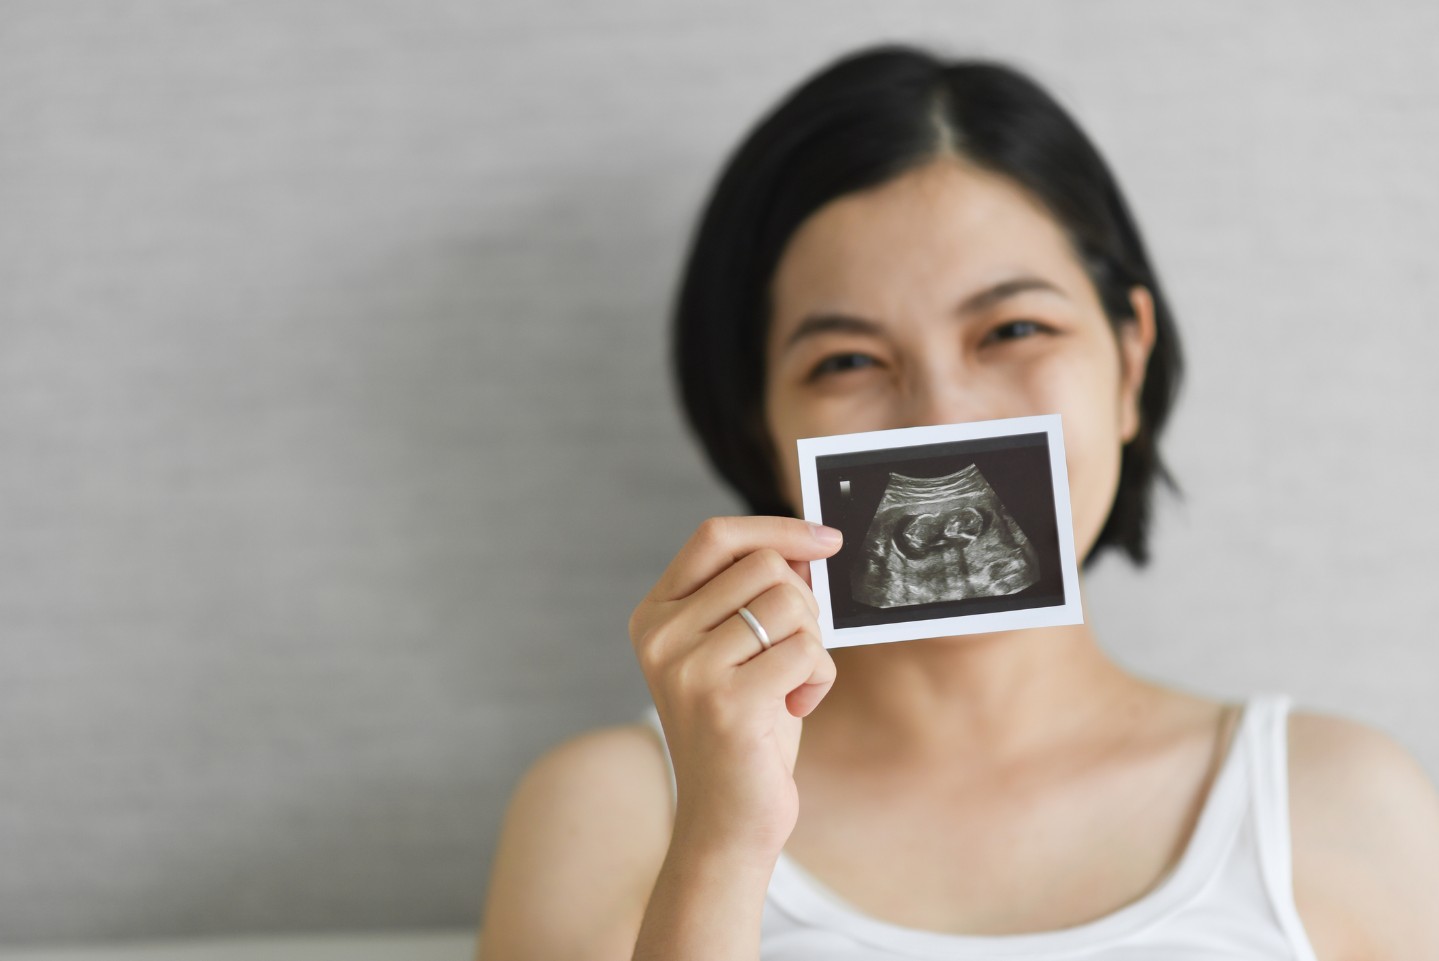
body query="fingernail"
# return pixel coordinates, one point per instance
(827, 536)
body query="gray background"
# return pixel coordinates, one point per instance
(336, 442)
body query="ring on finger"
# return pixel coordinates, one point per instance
(760, 633)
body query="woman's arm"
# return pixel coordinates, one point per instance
(731, 705)
(591, 862)
(707, 904)
(582, 843)
(586, 841)
(1365, 823)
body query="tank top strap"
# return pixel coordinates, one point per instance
(652, 720)
(1269, 775)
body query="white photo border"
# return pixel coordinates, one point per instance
(1069, 612)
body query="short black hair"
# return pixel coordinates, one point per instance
(862, 121)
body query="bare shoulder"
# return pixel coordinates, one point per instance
(1365, 825)
(583, 840)
(622, 763)
(1349, 771)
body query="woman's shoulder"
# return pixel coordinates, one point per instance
(1364, 820)
(624, 758)
(596, 806)
(1322, 742)
(610, 782)
(1349, 769)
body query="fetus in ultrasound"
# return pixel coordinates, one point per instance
(941, 539)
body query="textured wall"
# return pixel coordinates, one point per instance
(336, 445)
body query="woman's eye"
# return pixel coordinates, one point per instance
(1016, 330)
(839, 363)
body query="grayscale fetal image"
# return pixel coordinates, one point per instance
(941, 539)
(943, 530)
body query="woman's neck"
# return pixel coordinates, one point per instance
(1002, 695)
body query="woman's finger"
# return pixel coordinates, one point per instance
(781, 612)
(741, 583)
(721, 541)
(670, 630)
(801, 568)
(800, 669)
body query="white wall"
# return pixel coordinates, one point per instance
(336, 442)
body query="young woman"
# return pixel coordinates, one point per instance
(906, 241)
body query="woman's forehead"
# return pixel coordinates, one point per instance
(936, 232)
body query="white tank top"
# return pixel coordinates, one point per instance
(1229, 897)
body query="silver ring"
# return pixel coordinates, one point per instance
(754, 625)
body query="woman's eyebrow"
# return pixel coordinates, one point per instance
(1005, 289)
(816, 324)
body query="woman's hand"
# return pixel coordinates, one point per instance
(731, 710)
(597, 807)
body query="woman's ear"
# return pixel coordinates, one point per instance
(1136, 340)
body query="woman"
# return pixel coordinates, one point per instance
(902, 242)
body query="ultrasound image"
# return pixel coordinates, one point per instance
(941, 539)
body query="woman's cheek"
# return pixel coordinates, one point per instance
(815, 417)
(1079, 385)
(783, 433)
(1093, 464)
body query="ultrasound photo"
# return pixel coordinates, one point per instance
(941, 539)
(957, 529)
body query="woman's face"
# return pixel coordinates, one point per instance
(949, 295)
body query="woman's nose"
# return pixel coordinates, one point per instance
(947, 397)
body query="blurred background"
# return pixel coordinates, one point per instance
(337, 441)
